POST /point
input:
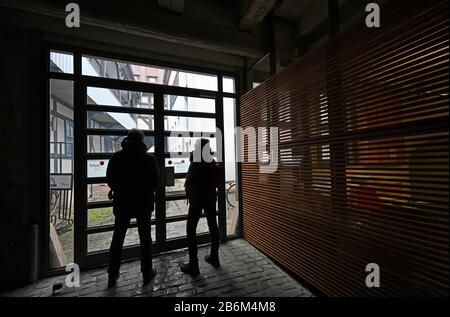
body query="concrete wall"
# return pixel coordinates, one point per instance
(22, 130)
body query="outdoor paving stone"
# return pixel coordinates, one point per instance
(185, 294)
(226, 289)
(185, 287)
(244, 272)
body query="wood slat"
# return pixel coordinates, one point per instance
(362, 174)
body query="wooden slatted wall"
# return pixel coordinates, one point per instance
(363, 157)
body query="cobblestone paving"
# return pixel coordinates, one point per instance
(244, 272)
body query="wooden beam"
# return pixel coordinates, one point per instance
(172, 5)
(253, 12)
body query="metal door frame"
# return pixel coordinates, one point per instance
(81, 82)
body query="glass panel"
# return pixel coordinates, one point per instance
(229, 118)
(203, 225)
(172, 123)
(99, 241)
(182, 103)
(178, 229)
(181, 165)
(100, 217)
(107, 144)
(61, 172)
(102, 241)
(97, 192)
(260, 72)
(228, 85)
(109, 68)
(119, 121)
(232, 206)
(179, 208)
(97, 168)
(176, 208)
(178, 187)
(61, 62)
(185, 144)
(64, 234)
(119, 98)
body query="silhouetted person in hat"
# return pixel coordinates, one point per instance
(133, 177)
(201, 183)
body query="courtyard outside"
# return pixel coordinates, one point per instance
(62, 229)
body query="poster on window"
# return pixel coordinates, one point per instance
(181, 165)
(97, 168)
(61, 181)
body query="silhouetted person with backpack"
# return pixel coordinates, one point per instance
(201, 182)
(133, 177)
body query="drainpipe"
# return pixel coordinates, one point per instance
(270, 43)
(34, 253)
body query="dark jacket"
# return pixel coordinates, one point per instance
(133, 176)
(200, 181)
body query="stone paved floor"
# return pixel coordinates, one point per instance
(244, 272)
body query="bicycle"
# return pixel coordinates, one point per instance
(54, 197)
(231, 185)
(65, 224)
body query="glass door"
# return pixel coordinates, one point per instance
(108, 114)
(93, 103)
(186, 119)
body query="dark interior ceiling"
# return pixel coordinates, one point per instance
(234, 27)
(292, 9)
(289, 10)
